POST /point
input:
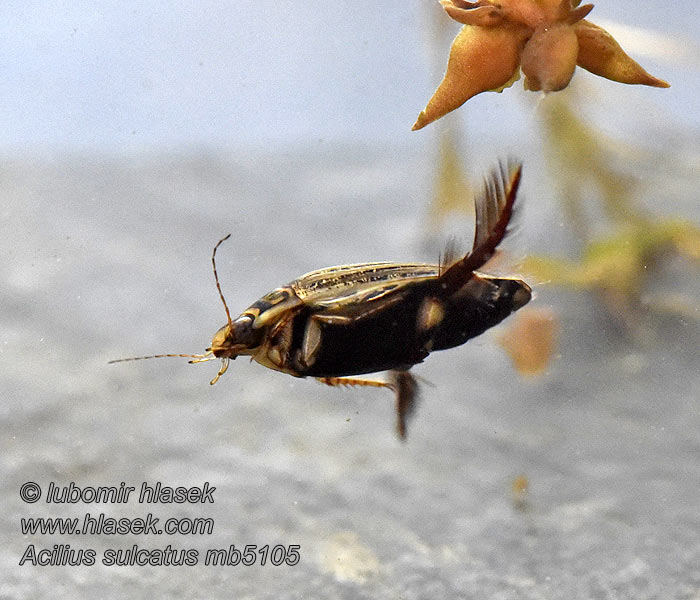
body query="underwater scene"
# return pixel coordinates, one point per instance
(455, 248)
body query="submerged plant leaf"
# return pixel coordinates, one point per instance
(582, 159)
(617, 266)
(452, 185)
(546, 38)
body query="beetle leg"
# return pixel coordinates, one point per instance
(494, 208)
(222, 370)
(312, 342)
(402, 383)
(279, 342)
(334, 381)
(406, 388)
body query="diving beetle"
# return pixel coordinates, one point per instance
(343, 321)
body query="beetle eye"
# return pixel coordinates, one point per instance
(243, 330)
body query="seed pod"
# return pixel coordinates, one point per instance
(600, 54)
(549, 58)
(481, 59)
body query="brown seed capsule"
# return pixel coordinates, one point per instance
(546, 38)
(549, 58)
(600, 54)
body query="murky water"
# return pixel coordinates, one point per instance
(110, 258)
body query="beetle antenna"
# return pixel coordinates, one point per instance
(216, 278)
(197, 357)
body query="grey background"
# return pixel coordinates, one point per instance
(134, 137)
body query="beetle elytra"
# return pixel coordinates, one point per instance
(336, 323)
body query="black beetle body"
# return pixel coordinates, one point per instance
(355, 319)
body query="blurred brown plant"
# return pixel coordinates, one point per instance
(520, 487)
(451, 185)
(530, 340)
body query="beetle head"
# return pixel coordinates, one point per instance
(236, 338)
